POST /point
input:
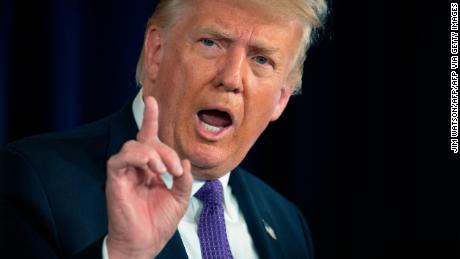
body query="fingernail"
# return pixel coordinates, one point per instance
(178, 169)
(162, 169)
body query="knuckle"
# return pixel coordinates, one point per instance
(154, 156)
(169, 152)
(128, 145)
(111, 161)
(142, 157)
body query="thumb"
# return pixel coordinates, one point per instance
(182, 185)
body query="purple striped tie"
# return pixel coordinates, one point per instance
(211, 228)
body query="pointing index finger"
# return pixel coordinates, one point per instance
(149, 127)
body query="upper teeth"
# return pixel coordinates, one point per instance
(211, 128)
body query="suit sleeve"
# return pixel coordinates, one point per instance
(27, 226)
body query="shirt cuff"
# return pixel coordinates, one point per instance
(105, 252)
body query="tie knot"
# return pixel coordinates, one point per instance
(210, 193)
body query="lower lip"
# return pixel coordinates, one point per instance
(209, 135)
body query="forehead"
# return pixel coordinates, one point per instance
(238, 19)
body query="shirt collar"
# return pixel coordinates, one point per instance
(138, 111)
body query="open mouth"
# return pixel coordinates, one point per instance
(215, 120)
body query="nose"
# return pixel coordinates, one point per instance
(231, 72)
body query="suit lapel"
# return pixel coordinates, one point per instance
(121, 129)
(257, 217)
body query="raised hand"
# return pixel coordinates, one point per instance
(143, 213)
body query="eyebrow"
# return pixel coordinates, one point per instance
(217, 33)
(258, 45)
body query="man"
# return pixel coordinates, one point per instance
(213, 75)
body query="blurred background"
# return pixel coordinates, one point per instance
(364, 152)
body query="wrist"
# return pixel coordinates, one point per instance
(119, 250)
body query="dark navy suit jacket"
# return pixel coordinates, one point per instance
(52, 198)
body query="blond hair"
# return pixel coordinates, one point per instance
(311, 14)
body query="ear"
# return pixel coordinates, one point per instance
(281, 103)
(152, 52)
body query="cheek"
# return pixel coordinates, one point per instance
(264, 99)
(190, 75)
(259, 111)
(174, 81)
(260, 108)
(183, 79)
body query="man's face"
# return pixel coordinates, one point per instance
(220, 75)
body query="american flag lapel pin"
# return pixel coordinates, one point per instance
(269, 230)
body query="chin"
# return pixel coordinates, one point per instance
(208, 171)
(209, 163)
(205, 174)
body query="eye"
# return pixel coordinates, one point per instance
(208, 42)
(261, 60)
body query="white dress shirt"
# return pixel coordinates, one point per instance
(239, 239)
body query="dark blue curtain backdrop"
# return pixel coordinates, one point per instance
(364, 151)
